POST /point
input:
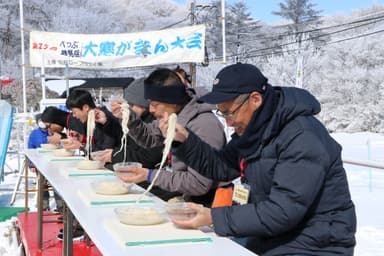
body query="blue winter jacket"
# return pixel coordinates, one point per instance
(37, 137)
(299, 199)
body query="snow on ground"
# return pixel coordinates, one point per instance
(369, 199)
(366, 185)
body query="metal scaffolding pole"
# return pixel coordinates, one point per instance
(23, 70)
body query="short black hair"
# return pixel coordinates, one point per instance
(54, 115)
(163, 77)
(37, 117)
(79, 98)
(166, 86)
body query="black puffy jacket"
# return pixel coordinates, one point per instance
(299, 199)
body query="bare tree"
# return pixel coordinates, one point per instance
(304, 18)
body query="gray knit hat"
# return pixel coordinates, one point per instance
(134, 93)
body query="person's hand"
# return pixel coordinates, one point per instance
(105, 156)
(73, 135)
(202, 218)
(138, 174)
(100, 116)
(116, 108)
(71, 143)
(54, 138)
(181, 134)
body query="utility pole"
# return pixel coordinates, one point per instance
(223, 29)
(237, 59)
(192, 66)
(299, 62)
(23, 55)
(25, 137)
(43, 76)
(299, 70)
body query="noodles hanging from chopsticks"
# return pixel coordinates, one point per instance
(124, 127)
(90, 128)
(167, 148)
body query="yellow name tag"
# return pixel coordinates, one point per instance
(240, 194)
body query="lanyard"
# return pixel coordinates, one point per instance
(169, 159)
(243, 166)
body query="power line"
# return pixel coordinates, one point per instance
(312, 38)
(328, 27)
(278, 36)
(376, 19)
(355, 37)
(305, 22)
(176, 23)
(297, 49)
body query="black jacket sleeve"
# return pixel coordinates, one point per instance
(220, 165)
(103, 140)
(112, 127)
(134, 153)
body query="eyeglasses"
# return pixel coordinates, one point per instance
(231, 114)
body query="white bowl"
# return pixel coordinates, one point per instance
(63, 152)
(66, 141)
(110, 187)
(180, 211)
(89, 165)
(97, 153)
(124, 168)
(48, 146)
(141, 215)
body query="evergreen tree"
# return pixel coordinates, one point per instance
(304, 20)
(241, 31)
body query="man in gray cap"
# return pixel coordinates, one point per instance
(134, 95)
(294, 197)
(167, 94)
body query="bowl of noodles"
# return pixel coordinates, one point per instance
(180, 211)
(90, 165)
(141, 214)
(125, 168)
(49, 146)
(110, 187)
(63, 152)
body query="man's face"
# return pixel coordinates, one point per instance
(81, 113)
(238, 112)
(53, 128)
(158, 108)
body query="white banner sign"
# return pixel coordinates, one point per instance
(117, 50)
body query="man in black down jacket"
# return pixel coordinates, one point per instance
(298, 200)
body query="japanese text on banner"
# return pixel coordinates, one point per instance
(117, 50)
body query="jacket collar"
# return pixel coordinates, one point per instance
(291, 102)
(192, 109)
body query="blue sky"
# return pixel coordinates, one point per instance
(261, 9)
